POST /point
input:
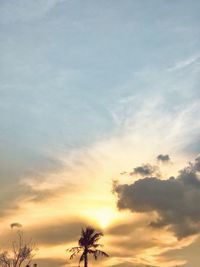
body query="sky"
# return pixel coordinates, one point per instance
(99, 104)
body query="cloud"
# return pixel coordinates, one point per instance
(163, 158)
(18, 225)
(175, 200)
(129, 264)
(58, 232)
(12, 11)
(145, 170)
(49, 262)
(189, 253)
(52, 233)
(122, 228)
(185, 63)
(15, 194)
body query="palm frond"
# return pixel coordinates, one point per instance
(101, 253)
(97, 253)
(73, 255)
(81, 258)
(94, 238)
(93, 252)
(89, 231)
(73, 249)
(88, 236)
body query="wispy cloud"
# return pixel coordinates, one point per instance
(185, 63)
(24, 11)
(89, 89)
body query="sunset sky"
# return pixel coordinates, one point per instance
(99, 119)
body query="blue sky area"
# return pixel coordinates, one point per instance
(76, 73)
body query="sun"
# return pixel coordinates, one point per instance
(104, 216)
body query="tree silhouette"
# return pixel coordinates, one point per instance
(21, 253)
(88, 245)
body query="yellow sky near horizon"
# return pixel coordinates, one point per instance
(89, 198)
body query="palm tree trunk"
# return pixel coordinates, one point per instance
(86, 260)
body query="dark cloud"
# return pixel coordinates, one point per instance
(51, 233)
(163, 158)
(17, 167)
(59, 232)
(14, 194)
(15, 191)
(176, 200)
(145, 170)
(18, 225)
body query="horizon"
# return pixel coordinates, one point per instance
(99, 105)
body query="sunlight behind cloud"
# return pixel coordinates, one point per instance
(103, 217)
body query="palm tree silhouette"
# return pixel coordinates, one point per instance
(88, 244)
